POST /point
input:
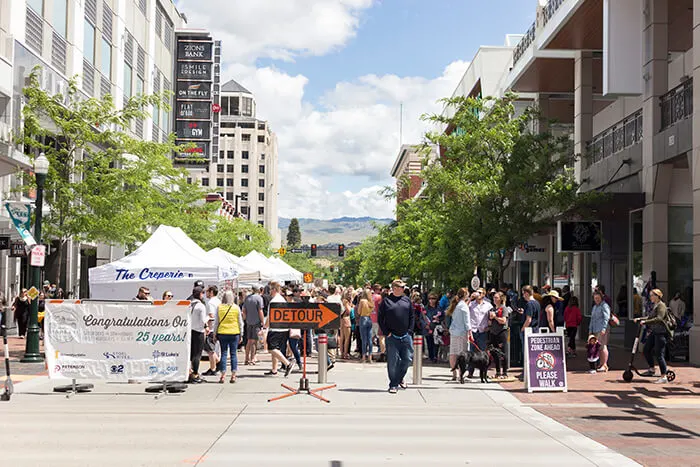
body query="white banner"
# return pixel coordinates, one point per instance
(118, 341)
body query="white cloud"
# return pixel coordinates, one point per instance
(352, 132)
(278, 29)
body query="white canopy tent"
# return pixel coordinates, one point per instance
(168, 260)
(286, 271)
(248, 274)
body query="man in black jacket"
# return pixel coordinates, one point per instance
(396, 321)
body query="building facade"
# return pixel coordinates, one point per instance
(244, 172)
(117, 47)
(618, 77)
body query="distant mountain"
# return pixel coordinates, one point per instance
(345, 230)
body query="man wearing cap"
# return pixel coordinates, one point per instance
(197, 283)
(200, 318)
(396, 321)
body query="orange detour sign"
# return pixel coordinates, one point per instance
(305, 315)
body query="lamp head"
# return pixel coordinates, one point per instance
(41, 165)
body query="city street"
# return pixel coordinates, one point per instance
(437, 423)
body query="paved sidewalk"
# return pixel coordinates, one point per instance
(222, 424)
(20, 371)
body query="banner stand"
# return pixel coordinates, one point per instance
(164, 388)
(74, 388)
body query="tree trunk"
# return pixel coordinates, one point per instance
(61, 246)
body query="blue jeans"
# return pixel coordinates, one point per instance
(294, 345)
(229, 343)
(366, 335)
(480, 338)
(399, 356)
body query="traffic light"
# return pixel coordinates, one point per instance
(313, 250)
(341, 250)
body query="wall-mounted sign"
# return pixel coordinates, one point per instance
(196, 50)
(579, 236)
(17, 250)
(5, 243)
(193, 130)
(200, 150)
(194, 70)
(535, 249)
(193, 110)
(194, 90)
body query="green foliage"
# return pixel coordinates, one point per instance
(294, 234)
(237, 236)
(496, 186)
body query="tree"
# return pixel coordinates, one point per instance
(294, 234)
(237, 236)
(103, 185)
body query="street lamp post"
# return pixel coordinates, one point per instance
(32, 353)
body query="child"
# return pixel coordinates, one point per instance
(442, 340)
(593, 353)
(572, 320)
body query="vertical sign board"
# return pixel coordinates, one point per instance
(580, 237)
(193, 97)
(545, 361)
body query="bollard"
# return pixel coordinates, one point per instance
(418, 360)
(322, 358)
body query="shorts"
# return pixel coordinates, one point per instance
(251, 331)
(603, 338)
(277, 340)
(458, 345)
(209, 344)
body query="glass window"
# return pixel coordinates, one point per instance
(261, 138)
(37, 5)
(229, 169)
(229, 154)
(229, 196)
(261, 196)
(680, 224)
(234, 106)
(89, 47)
(224, 105)
(244, 196)
(244, 182)
(229, 182)
(139, 85)
(156, 116)
(220, 168)
(262, 223)
(205, 181)
(189, 180)
(244, 210)
(247, 107)
(106, 58)
(261, 169)
(60, 16)
(244, 169)
(166, 121)
(219, 182)
(261, 183)
(244, 154)
(261, 211)
(128, 72)
(245, 137)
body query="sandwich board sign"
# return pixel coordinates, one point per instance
(545, 361)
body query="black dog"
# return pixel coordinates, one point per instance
(477, 359)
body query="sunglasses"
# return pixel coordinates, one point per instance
(169, 296)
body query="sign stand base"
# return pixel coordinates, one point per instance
(74, 388)
(304, 384)
(165, 388)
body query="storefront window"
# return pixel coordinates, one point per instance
(680, 253)
(636, 263)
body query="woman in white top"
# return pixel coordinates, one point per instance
(460, 329)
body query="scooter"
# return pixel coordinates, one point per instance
(8, 389)
(627, 375)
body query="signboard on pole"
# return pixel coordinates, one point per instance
(305, 315)
(18, 250)
(21, 215)
(545, 361)
(194, 90)
(118, 341)
(38, 256)
(308, 278)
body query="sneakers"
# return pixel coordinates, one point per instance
(393, 390)
(209, 372)
(330, 367)
(662, 380)
(649, 372)
(591, 372)
(288, 368)
(403, 385)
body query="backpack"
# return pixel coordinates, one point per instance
(670, 322)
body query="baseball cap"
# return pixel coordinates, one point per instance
(199, 283)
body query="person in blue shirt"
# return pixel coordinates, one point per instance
(600, 327)
(445, 301)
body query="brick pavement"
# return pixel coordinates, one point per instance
(656, 425)
(21, 371)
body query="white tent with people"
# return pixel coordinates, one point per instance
(286, 272)
(168, 260)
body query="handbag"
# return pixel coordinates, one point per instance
(614, 320)
(295, 333)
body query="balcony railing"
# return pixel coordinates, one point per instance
(677, 104)
(524, 43)
(616, 138)
(549, 10)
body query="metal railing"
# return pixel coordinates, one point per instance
(524, 43)
(677, 104)
(620, 136)
(549, 10)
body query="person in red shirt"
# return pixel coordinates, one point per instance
(572, 320)
(376, 332)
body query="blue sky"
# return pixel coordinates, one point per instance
(330, 75)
